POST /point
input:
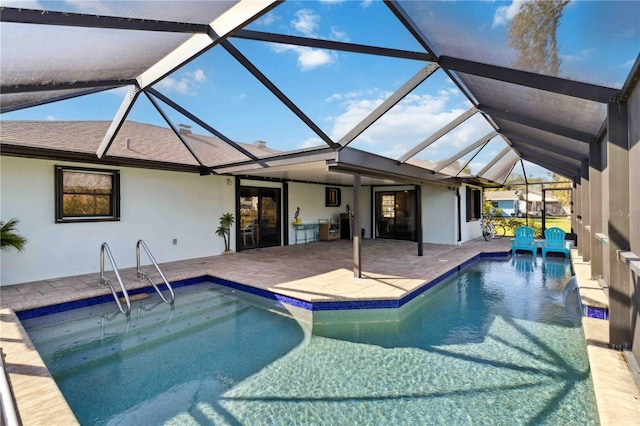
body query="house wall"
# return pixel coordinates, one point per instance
(439, 206)
(311, 200)
(156, 206)
(508, 207)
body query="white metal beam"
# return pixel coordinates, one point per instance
(437, 135)
(118, 120)
(221, 27)
(482, 141)
(491, 163)
(502, 174)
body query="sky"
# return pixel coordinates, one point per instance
(336, 89)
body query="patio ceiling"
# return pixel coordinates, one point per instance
(520, 110)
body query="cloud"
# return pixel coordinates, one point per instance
(198, 75)
(238, 97)
(97, 7)
(338, 35)
(314, 58)
(504, 14)
(349, 95)
(51, 118)
(306, 22)
(268, 19)
(186, 84)
(311, 143)
(23, 4)
(308, 58)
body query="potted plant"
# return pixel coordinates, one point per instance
(224, 230)
(9, 239)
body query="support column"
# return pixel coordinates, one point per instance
(577, 209)
(595, 208)
(586, 208)
(355, 229)
(285, 207)
(419, 219)
(618, 225)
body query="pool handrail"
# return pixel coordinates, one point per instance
(143, 275)
(7, 398)
(104, 248)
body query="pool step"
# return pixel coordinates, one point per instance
(78, 330)
(135, 297)
(117, 344)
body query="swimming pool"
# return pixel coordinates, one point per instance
(496, 343)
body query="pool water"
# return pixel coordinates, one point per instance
(496, 343)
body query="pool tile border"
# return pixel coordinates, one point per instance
(595, 312)
(311, 306)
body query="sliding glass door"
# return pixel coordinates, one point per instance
(259, 217)
(396, 215)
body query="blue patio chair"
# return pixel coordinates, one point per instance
(524, 240)
(557, 267)
(524, 264)
(554, 242)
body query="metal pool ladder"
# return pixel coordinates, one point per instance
(143, 275)
(106, 281)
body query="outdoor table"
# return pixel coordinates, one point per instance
(309, 232)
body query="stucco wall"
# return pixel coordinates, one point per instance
(155, 206)
(311, 200)
(439, 206)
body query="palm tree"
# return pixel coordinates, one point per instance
(10, 239)
(224, 230)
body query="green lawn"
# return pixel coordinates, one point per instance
(562, 222)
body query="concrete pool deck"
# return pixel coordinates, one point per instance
(320, 271)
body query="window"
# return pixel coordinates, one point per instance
(494, 204)
(86, 194)
(388, 206)
(474, 204)
(332, 197)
